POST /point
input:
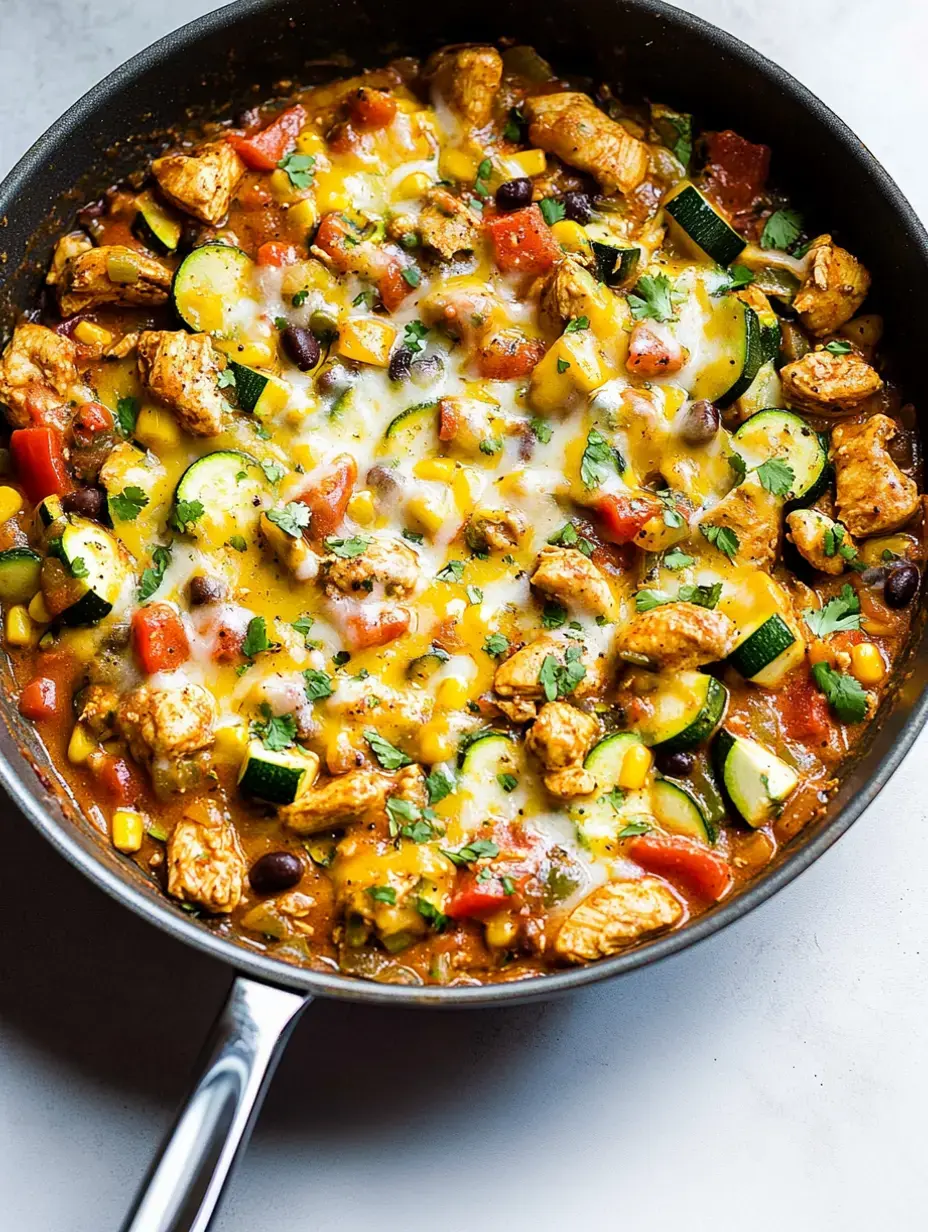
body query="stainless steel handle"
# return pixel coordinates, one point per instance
(184, 1185)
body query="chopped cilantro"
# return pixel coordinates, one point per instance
(128, 504)
(299, 299)
(575, 324)
(153, 576)
(600, 459)
(846, 696)
(541, 430)
(495, 645)
(277, 732)
(781, 230)
(839, 615)
(554, 615)
(237, 542)
(226, 378)
(552, 211)
(776, 476)
(474, 594)
(318, 685)
(440, 783)
(299, 169)
(78, 567)
(431, 914)
(491, 445)
(303, 624)
(273, 471)
(479, 849)
(127, 413)
(414, 335)
(290, 518)
(389, 756)
(256, 639)
(634, 828)
(721, 537)
(185, 514)
(413, 536)
(562, 365)
(675, 559)
(838, 346)
(347, 549)
(411, 276)
(508, 782)
(653, 298)
(383, 894)
(558, 679)
(452, 572)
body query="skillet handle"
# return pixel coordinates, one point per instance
(184, 1185)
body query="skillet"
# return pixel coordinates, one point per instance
(235, 57)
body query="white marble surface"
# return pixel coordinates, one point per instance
(775, 1077)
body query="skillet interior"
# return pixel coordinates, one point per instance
(238, 56)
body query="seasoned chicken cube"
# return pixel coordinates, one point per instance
(568, 293)
(447, 224)
(337, 800)
(828, 383)
(202, 183)
(677, 637)
(872, 494)
(462, 311)
(38, 371)
(166, 722)
(615, 916)
(560, 738)
(825, 544)
(99, 704)
(570, 782)
(182, 370)
(497, 530)
(466, 79)
(568, 575)
(517, 679)
(112, 275)
(205, 863)
(372, 702)
(835, 287)
(755, 515)
(385, 564)
(572, 127)
(68, 247)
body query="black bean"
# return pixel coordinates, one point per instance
(202, 590)
(274, 872)
(334, 379)
(677, 765)
(577, 207)
(514, 194)
(700, 423)
(88, 502)
(302, 346)
(901, 586)
(426, 370)
(399, 364)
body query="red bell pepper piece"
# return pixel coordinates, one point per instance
(449, 420)
(39, 699)
(508, 355)
(622, 517)
(262, 151)
(392, 287)
(365, 629)
(371, 109)
(736, 169)
(522, 242)
(651, 355)
(91, 420)
(804, 709)
(328, 498)
(39, 460)
(276, 253)
(476, 899)
(118, 780)
(159, 638)
(671, 855)
(330, 238)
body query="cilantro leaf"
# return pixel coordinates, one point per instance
(411, 276)
(846, 696)
(541, 430)
(317, 684)
(277, 732)
(237, 542)
(474, 594)
(440, 783)
(512, 130)
(675, 559)
(153, 576)
(634, 828)
(256, 639)
(431, 914)
(599, 460)
(615, 797)
(481, 186)
(226, 378)
(552, 211)
(185, 514)
(781, 230)
(491, 445)
(299, 169)
(721, 537)
(299, 298)
(383, 894)
(495, 645)
(839, 615)
(78, 567)
(389, 756)
(127, 413)
(776, 476)
(702, 596)
(414, 336)
(675, 130)
(508, 782)
(838, 346)
(575, 324)
(128, 504)
(347, 549)
(273, 471)
(452, 572)
(738, 465)
(648, 600)
(653, 298)
(479, 849)
(562, 366)
(554, 615)
(303, 624)
(567, 537)
(414, 536)
(558, 679)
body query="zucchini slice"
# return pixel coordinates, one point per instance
(783, 435)
(678, 811)
(765, 390)
(19, 574)
(757, 781)
(704, 226)
(601, 817)
(409, 425)
(687, 707)
(260, 393)
(769, 652)
(209, 285)
(48, 510)
(158, 227)
(482, 795)
(737, 355)
(97, 566)
(227, 484)
(278, 778)
(424, 666)
(615, 266)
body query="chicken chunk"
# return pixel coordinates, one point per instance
(462, 311)
(112, 275)
(572, 127)
(498, 530)
(202, 183)
(678, 636)
(835, 287)
(560, 738)
(181, 370)
(567, 293)
(38, 372)
(446, 224)
(373, 702)
(99, 704)
(166, 722)
(825, 544)
(755, 515)
(385, 564)
(204, 861)
(872, 494)
(67, 248)
(517, 679)
(829, 384)
(336, 801)
(466, 79)
(615, 916)
(570, 576)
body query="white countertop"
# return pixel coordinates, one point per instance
(774, 1077)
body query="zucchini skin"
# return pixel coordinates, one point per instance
(754, 357)
(705, 226)
(195, 266)
(760, 648)
(249, 385)
(615, 266)
(705, 723)
(19, 574)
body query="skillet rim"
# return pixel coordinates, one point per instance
(63, 836)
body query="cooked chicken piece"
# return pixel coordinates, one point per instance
(615, 916)
(835, 287)
(518, 709)
(99, 704)
(205, 862)
(677, 637)
(462, 311)
(387, 564)
(516, 680)
(497, 530)
(68, 247)
(567, 293)
(560, 738)
(166, 722)
(754, 514)
(373, 703)
(202, 183)
(336, 801)
(570, 782)
(112, 275)
(825, 544)
(566, 574)
(181, 370)
(829, 384)
(872, 494)
(466, 80)
(572, 127)
(38, 371)
(447, 224)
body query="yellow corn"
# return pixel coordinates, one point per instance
(452, 693)
(413, 185)
(636, 765)
(252, 352)
(867, 663)
(438, 469)
(127, 829)
(458, 165)
(231, 742)
(302, 455)
(435, 742)
(310, 142)
(367, 340)
(571, 237)
(92, 335)
(512, 484)
(361, 507)
(81, 745)
(302, 216)
(20, 631)
(157, 428)
(428, 513)
(38, 611)
(10, 503)
(528, 163)
(501, 930)
(283, 190)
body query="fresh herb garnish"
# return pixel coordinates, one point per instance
(317, 684)
(453, 571)
(781, 230)
(226, 378)
(481, 185)
(474, 594)
(411, 276)
(431, 914)
(508, 782)
(552, 211)
(273, 471)
(634, 828)
(839, 615)
(185, 514)
(256, 639)
(277, 732)
(776, 476)
(600, 459)
(383, 894)
(479, 849)
(721, 537)
(576, 324)
(414, 335)
(838, 346)
(128, 504)
(440, 783)
(568, 537)
(496, 644)
(541, 430)
(559, 679)
(562, 366)
(654, 298)
(153, 576)
(127, 413)
(389, 756)
(554, 615)
(413, 536)
(237, 542)
(347, 549)
(846, 696)
(676, 559)
(299, 168)
(291, 518)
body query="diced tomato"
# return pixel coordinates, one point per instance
(262, 151)
(159, 638)
(449, 420)
(683, 859)
(736, 169)
(508, 355)
(330, 238)
(804, 709)
(276, 253)
(522, 242)
(372, 109)
(228, 643)
(649, 354)
(622, 517)
(364, 629)
(392, 286)
(255, 197)
(39, 699)
(477, 898)
(91, 420)
(328, 498)
(118, 780)
(39, 461)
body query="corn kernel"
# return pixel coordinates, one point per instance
(438, 469)
(127, 829)
(512, 484)
(91, 334)
(310, 141)
(302, 217)
(20, 631)
(231, 742)
(413, 186)
(10, 503)
(38, 611)
(572, 237)
(636, 765)
(157, 429)
(501, 930)
(428, 513)
(526, 163)
(283, 190)
(302, 455)
(361, 507)
(458, 165)
(435, 742)
(452, 693)
(81, 745)
(367, 340)
(867, 663)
